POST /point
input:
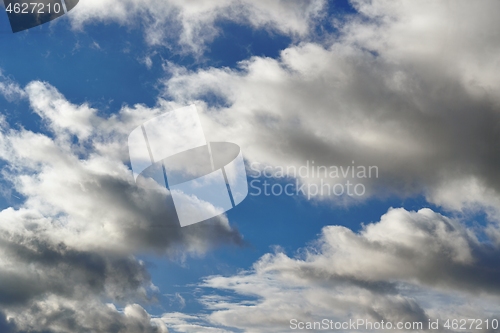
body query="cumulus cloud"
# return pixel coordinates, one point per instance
(192, 24)
(71, 243)
(407, 87)
(55, 315)
(408, 267)
(401, 89)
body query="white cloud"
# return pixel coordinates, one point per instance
(72, 241)
(194, 23)
(60, 114)
(185, 323)
(78, 170)
(408, 267)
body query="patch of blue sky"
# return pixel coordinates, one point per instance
(100, 68)
(238, 42)
(337, 11)
(9, 197)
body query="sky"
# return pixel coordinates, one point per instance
(405, 89)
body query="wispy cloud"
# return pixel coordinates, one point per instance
(189, 26)
(10, 90)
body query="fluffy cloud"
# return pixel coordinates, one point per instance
(408, 267)
(401, 89)
(58, 315)
(405, 86)
(191, 24)
(70, 245)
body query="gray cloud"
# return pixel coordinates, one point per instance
(408, 267)
(428, 125)
(87, 316)
(407, 87)
(69, 248)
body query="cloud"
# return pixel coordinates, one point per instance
(398, 89)
(190, 25)
(408, 267)
(70, 245)
(10, 90)
(185, 323)
(406, 87)
(56, 315)
(85, 160)
(5, 325)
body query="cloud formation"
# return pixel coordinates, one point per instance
(70, 244)
(398, 88)
(190, 25)
(408, 87)
(408, 267)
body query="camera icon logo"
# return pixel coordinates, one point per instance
(205, 179)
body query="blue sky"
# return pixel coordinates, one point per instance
(330, 81)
